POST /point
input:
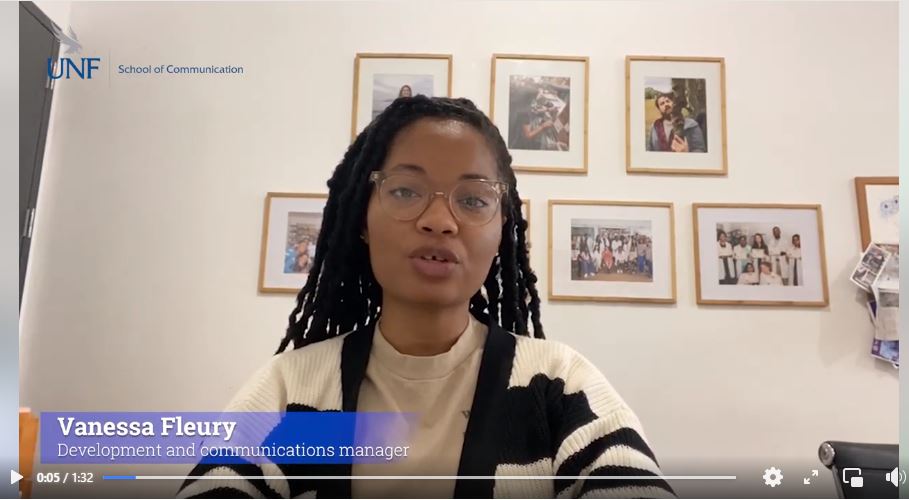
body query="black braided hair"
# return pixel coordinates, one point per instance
(341, 292)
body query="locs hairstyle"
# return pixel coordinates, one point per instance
(341, 293)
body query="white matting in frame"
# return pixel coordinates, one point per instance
(883, 224)
(547, 73)
(804, 220)
(879, 209)
(290, 229)
(643, 71)
(563, 285)
(380, 78)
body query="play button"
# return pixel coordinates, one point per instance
(14, 477)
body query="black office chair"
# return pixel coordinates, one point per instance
(860, 470)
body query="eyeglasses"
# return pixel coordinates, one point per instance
(405, 197)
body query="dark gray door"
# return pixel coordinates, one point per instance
(37, 44)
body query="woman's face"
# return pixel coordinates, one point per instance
(405, 92)
(441, 153)
(758, 239)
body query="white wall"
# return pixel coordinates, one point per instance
(57, 11)
(142, 293)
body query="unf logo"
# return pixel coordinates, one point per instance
(67, 66)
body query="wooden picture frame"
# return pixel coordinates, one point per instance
(277, 227)
(749, 220)
(702, 87)
(539, 93)
(401, 66)
(862, 185)
(617, 223)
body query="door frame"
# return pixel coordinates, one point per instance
(27, 217)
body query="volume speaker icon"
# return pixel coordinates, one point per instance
(896, 476)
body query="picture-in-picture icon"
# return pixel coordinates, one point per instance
(853, 477)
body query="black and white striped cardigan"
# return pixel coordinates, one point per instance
(540, 409)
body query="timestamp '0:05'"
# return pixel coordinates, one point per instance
(47, 477)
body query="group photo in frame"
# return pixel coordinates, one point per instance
(760, 254)
(612, 251)
(878, 200)
(675, 115)
(380, 78)
(290, 230)
(539, 103)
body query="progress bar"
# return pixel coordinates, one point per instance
(398, 478)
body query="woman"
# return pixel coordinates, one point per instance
(429, 306)
(748, 276)
(620, 259)
(796, 278)
(290, 259)
(304, 258)
(759, 251)
(595, 255)
(405, 91)
(608, 261)
(585, 259)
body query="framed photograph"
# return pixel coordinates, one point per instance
(290, 230)
(379, 79)
(611, 251)
(879, 209)
(540, 105)
(760, 254)
(675, 115)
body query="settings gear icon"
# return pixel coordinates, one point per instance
(773, 477)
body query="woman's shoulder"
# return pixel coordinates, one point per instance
(549, 357)
(323, 351)
(557, 362)
(318, 360)
(545, 347)
(309, 376)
